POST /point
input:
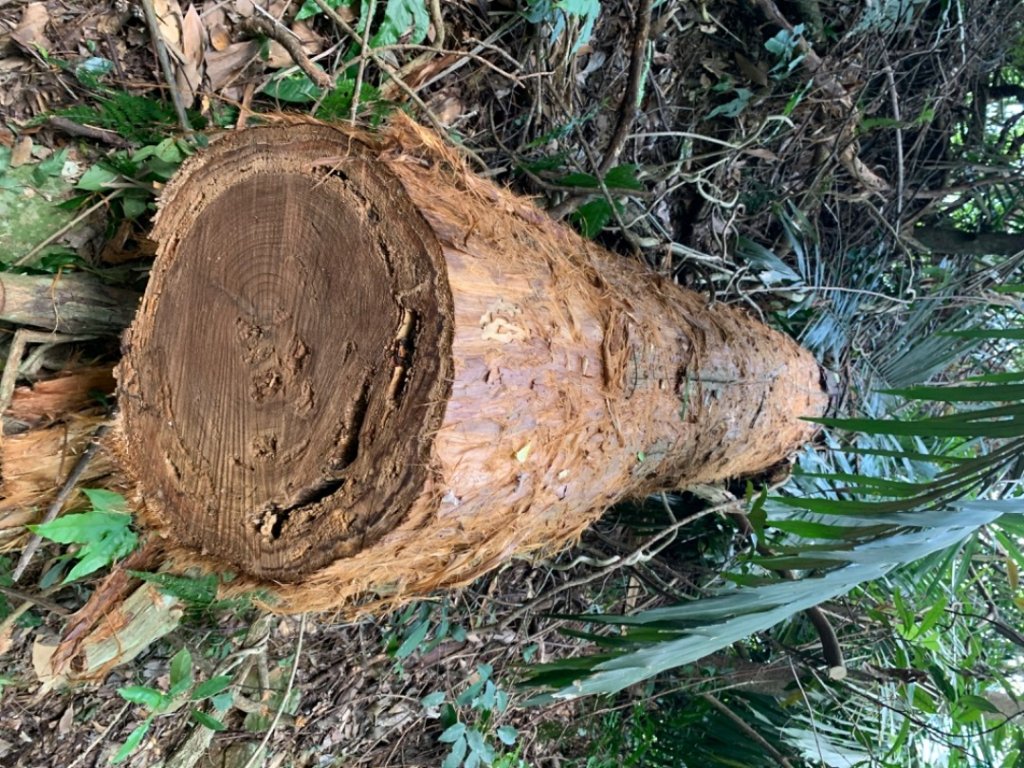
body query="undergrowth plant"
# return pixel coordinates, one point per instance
(471, 719)
(183, 690)
(102, 535)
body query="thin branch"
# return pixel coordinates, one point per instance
(628, 109)
(438, 21)
(361, 72)
(740, 723)
(165, 63)
(276, 31)
(284, 697)
(895, 99)
(38, 600)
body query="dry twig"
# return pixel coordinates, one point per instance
(284, 697)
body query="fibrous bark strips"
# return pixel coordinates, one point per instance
(361, 372)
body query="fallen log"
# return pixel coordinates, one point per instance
(74, 303)
(360, 372)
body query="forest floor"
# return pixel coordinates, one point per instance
(673, 136)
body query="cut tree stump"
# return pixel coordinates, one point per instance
(360, 372)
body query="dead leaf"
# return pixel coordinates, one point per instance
(42, 655)
(66, 721)
(754, 72)
(448, 110)
(168, 19)
(6, 637)
(193, 37)
(22, 152)
(219, 37)
(190, 68)
(215, 16)
(762, 154)
(312, 43)
(30, 32)
(224, 67)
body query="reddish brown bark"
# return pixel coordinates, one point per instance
(402, 375)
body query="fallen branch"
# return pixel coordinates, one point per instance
(22, 338)
(68, 303)
(91, 132)
(273, 29)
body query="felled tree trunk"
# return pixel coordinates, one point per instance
(361, 372)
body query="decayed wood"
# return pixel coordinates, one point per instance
(402, 374)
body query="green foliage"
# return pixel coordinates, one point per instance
(182, 690)
(293, 88)
(470, 724)
(888, 16)
(682, 730)
(470, 720)
(337, 105)
(103, 534)
(128, 176)
(401, 21)
(421, 628)
(735, 107)
(556, 14)
(594, 215)
(199, 592)
(6, 567)
(401, 18)
(310, 9)
(784, 46)
(139, 119)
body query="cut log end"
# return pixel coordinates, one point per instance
(278, 380)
